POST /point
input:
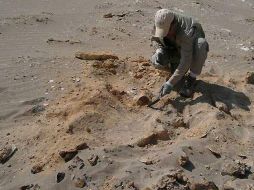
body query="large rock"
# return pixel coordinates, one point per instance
(143, 99)
(153, 137)
(232, 168)
(242, 184)
(175, 180)
(203, 186)
(95, 56)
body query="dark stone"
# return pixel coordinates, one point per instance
(82, 146)
(60, 176)
(68, 154)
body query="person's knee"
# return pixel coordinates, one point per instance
(159, 66)
(203, 45)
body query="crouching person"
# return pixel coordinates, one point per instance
(181, 47)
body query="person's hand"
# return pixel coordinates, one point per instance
(165, 89)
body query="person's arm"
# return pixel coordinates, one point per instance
(185, 61)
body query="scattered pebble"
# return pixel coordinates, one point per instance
(183, 160)
(79, 183)
(146, 160)
(93, 160)
(249, 78)
(109, 15)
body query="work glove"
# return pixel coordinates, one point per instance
(165, 89)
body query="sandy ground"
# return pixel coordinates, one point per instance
(51, 102)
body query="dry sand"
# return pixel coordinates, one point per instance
(51, 101)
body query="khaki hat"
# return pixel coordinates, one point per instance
(163, 20)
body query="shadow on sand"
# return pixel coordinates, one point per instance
(212, 93)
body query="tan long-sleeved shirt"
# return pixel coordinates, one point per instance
(187, 30)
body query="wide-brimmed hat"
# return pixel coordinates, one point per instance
(163, 20)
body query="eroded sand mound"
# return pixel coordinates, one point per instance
(99, 137)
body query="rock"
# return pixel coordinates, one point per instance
(214, 152)
(78, 162)
(30, 187)
(37, 168)
(222, 107)
(50, 40)
(143, 99)
(93, 160)
(183, 160)
(88, 130)
(239, 170)
(36, 109)
(173, 180)
(220, 115)
(218, 102)
(60, 176)
(6, 153)
(146, 160)
(138, 75)
(145, 64)
(95, 56)
(203, 186)
(131, 185)
(249, 78)
(109, 15)
(82, 146)
(178, 122)
(80, 183)
(68, 155)
(239, 184)
(152, 138)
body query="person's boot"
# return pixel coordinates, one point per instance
(188, 88)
